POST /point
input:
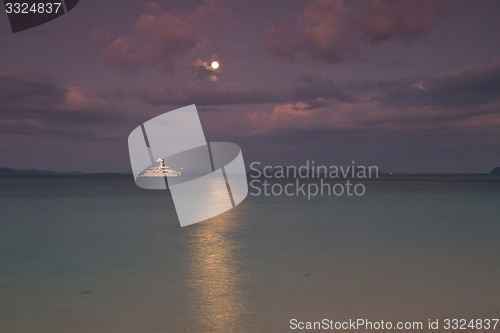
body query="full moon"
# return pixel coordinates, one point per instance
(215, 65)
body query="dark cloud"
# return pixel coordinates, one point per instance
(330, 31)
(207, 95)
(32, 103)
(201, 69)
(28, 88)
(201, 72)
(479, 84)
(313, 89)
(471, 85)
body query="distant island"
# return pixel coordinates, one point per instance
(11, 171)
(7, 172)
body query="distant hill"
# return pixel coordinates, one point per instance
(11, 171)
(495, 171)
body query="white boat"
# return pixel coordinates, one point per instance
(161, 171)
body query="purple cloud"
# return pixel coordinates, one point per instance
(330, 31)
(160, 37)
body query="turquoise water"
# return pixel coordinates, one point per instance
(101, 255)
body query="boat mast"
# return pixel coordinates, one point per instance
(162, 166)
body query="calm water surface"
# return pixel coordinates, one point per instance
(101, 255)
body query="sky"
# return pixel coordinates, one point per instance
(407, 86)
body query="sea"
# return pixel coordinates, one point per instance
(90, 253)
